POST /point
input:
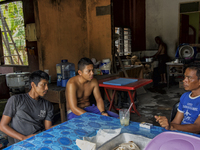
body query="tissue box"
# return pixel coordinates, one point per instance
(146, 125)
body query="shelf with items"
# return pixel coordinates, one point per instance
(175, 70)
(123, 41)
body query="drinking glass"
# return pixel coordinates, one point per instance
(124, 116)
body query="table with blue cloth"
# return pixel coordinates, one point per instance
(3, 139)
(63, 136)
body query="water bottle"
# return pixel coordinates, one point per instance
(72, 70)
(59, 75)
(105, 66)
(59, 69)
(65, 64)
(68, 72)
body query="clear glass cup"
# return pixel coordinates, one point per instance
(124, 117)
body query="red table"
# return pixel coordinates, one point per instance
(129, 87)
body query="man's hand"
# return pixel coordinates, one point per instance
(104, 114)
(163, 121)
(172, 127)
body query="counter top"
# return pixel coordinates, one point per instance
(170, 63)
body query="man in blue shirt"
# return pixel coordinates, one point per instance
(187, 118)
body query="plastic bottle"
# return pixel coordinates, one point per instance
(47, 71)
(59, 69)
(68, 72)
(72, 70)
(59, 76)
(105, 66)
(65, 64)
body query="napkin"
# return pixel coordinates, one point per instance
(85, 145)
(103, 135)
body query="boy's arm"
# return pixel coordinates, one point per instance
(99, 100)
(4, 127)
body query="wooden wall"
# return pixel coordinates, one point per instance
(29, 17)
(99, 29)
(61, 32)
(71, 30)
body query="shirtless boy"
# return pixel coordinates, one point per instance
(78, 90)
(162, 58)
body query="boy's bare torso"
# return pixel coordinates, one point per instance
(162, 49)
(83, 93)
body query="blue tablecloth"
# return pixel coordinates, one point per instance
(63, 136)
(3, 139)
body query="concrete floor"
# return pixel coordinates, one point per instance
(157, 101)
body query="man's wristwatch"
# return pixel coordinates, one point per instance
(103, 112)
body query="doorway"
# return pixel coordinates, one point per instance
(189, 23)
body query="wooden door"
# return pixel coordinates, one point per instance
(131, 14)
(184, 29)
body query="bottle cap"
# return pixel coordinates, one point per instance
(64, 60)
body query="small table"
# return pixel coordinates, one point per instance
(64, 136)
(179, 70)
(129, 87)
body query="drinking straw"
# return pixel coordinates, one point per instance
(128, 110)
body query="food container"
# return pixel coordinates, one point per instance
(18, 80)
(173, 141)
(139, 140)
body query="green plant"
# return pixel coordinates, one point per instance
(13, 13)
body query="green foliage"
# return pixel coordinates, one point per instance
(13, 13)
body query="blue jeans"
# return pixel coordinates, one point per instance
(93, 109)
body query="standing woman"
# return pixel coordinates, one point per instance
(161, 55)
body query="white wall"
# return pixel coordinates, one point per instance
(162, 19)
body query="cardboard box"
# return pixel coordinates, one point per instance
(146, 125)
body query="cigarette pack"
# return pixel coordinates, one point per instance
(146, 125)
